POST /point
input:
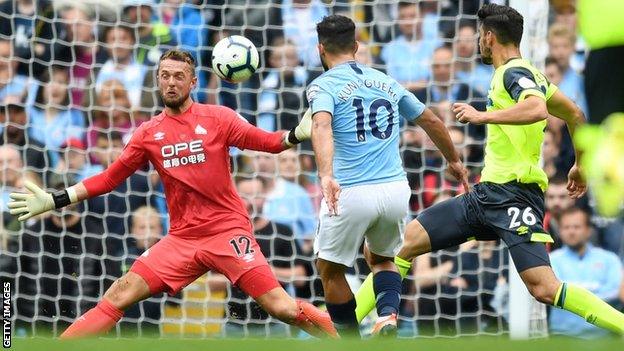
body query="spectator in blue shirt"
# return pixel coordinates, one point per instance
(300, 18)
(12, 85)
(581, 263)
(407, 57)
(561, 41)
(52, 120)
(286, 203)
(468, 68)
(280, 99)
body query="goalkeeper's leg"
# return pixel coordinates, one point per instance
(125, 291)
(416, 242)
(261, 284)
(546, 288)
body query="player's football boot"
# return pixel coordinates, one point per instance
(386, 326)
(314, 321)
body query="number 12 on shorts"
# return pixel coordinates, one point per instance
(241, 246)
(527, 217)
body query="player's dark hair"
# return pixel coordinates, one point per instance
(178, 55)
(504, 21)
(337, 34)
(574, 210)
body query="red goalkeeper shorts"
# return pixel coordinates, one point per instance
(175, 262)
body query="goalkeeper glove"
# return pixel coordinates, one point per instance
(38, 201)
(302, 131)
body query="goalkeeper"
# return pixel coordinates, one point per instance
(188, 144)
(509, 202)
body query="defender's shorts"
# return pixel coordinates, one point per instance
(374, 211)
(512, 211)
(174, 262)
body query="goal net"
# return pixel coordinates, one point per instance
(77, 77)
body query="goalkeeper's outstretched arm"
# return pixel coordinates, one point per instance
(37, 201)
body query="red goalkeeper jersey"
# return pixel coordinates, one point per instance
(191, 154)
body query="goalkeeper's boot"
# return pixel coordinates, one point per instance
(386, 326)
(314, 321)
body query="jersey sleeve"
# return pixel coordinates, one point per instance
(134, 154)
(410, 107)
(550, 91)
(242, 134)
(320, 99)
(520, 83)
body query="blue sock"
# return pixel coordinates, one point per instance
(343, 316)
(387, 287)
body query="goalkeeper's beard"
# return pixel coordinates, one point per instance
(174, 102)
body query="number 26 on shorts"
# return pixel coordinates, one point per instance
(528, 218)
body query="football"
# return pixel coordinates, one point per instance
(235, 59)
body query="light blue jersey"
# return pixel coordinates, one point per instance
(365, 105)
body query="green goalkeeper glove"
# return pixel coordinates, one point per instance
(37, 201)
(303, 131)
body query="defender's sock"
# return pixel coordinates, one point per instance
(580, 301)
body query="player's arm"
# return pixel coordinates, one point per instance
(323, 145)
(564, 108)
(412, 109)
(530, 106)
(37, 201)
(244, 135)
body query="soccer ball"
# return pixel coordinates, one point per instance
(235, 59)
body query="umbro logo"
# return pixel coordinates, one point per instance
(200, 130)
(159, 136)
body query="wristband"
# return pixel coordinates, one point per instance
(292, 138)
(61, 198)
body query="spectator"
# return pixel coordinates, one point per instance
(288, 203)
(550, 153)
(113, 112)
(557, 202)
(10, 175)
(32, 152)
(75, 162)
(13, 86)
(258, 20)
(468, 67)
(76, 48)
(290, 169)
(436, 183)
(553, 71)
(579, 262)
(442, 87)
(54, 269)
(407, 57)
(52, 119)
(300, 18)
(278, 245)
(146, 230)
(154, 38)
(187, 28)
(121, 64)
(31, 27)
(281, 94)
(561, 40)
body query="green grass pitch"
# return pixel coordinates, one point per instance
(459, 344)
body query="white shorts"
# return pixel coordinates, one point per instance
(374, 211)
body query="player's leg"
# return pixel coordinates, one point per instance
(387, 288)
(531, 260)
(339, 299)
(440, 226)
(169, 265)
(260, 283)
(123, 293)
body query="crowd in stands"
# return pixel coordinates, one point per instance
(76, 79)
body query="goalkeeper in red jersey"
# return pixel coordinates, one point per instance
(188, 144)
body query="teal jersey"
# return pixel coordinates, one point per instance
(365, 105)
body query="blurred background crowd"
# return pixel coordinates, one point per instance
(76, 78)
